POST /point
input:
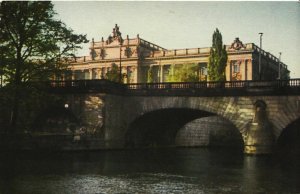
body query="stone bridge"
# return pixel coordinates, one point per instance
(184, 114)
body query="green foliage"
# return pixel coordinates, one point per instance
(114, 74)
(34, 101)
(217, 59)
(33, 43)
(33, 46)
(285, 75)
(150, 75)
(184, 73)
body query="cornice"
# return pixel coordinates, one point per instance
(106, 60)
(175, 57)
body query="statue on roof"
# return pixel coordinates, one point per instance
(114, 32)
(237, 44)
(116, 35)
(109, 39)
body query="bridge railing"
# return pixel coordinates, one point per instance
(212, 84)
(294, 83)
(229, 87)
(86, 86)
(211, 88)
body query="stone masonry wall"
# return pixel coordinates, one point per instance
(208, 131)
(194, 133)
(89, 111)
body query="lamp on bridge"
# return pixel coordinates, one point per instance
(120, 75)
(279, 66)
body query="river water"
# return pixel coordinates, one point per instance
(180, 170)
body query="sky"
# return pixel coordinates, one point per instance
(183, 24)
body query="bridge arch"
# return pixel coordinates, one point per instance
(181, 127)
(230, 108)
(289, 139)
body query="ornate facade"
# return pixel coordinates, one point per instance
(135, 56)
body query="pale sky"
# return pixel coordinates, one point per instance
(182, 24)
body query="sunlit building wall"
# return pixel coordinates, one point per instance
(135, 56)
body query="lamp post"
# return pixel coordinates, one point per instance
(259, 59)
(279, 66)
(120, 75)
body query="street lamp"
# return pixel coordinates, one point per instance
(259, 59)
(120, 75)
(279, 66)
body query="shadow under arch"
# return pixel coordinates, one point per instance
(56, 119)
(289, 140)
(160, 127)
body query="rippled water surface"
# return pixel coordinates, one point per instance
(148, 171)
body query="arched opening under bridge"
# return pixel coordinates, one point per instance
(289, 139)
(182, 127)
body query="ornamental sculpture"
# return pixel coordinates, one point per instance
(102, 53)
(117, 35)
(128, 52)
(237, 44)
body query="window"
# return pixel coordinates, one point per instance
(236, 68)
(202, 71)
(129, 74)
(166, 72)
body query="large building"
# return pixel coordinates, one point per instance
(136, 56)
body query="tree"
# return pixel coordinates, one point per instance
(184, 73)
(218, 59)
(114, 74)
(150, 75)
(33, 45)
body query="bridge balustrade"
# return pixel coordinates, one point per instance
(86, 86)
(294, 82)
(188, 88)
(274, 87)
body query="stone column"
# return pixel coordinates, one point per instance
(135, 70)
(104, 71)
(91, 73)
(246, 69)
(230, 70)
(98, 73)
(260, 138)
(101, 72)
(161, 73)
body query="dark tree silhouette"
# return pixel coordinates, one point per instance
(33, 45)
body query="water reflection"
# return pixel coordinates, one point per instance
(147, 171)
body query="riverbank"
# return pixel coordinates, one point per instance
(51, 142)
